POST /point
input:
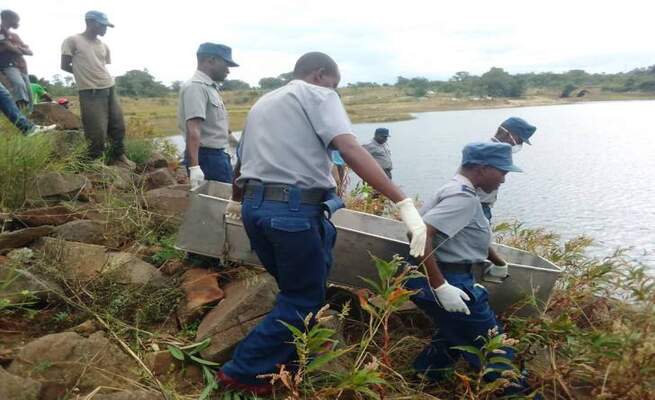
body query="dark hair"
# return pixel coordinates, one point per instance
(310, 62)
(33, 78)
(8, 14)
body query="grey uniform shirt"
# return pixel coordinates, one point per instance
(380, 153)
(288, 133)
(199, 98)
(455, 210)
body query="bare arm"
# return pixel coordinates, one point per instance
(9, 47)
(237, 192)
(366, 167)
(494, 257)
(193, 140)
(67, 63)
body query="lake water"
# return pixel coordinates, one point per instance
(587, 171)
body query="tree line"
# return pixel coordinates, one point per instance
(494, 83)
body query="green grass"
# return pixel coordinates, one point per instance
(23, 158)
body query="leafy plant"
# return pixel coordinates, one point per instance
(190, 354)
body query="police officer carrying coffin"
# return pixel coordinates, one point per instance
(379, 149)
(285, 180)
(458, 238)
(202, 117)
(513, 131)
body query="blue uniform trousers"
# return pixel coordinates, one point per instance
(12, 112)
(214, 163)
(294, 241)
(454, 328)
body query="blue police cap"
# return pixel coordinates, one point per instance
(98, 17)
(219, 50)
(382, 132)
(497, 155)
(519, 127)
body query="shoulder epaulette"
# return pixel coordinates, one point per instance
(468, 190)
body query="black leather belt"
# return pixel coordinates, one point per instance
(281, 193)
(457, 268)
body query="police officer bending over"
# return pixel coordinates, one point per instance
(285, 181)
(459, 236)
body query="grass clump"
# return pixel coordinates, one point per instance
(23, 158)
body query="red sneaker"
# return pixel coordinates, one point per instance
(262, 389)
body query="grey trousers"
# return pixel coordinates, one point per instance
(20, 85)
(102, 118)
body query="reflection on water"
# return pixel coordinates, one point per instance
(587, 172)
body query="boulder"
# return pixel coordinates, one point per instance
(181, 175)
(85, 262)
(158, 178)
(53, 113)
(64, 361)
(156, 161)
(56, 215)
(112, 176)
(246, 303)
(21, 286)
(22, 237)
(201, 290)
(162, 364)
(83, 230)
(171, 201)
(14, 387)
(56, 185)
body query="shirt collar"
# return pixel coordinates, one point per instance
(200, 76)
(463, 180)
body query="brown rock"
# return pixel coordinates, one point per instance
(14, 387)
(246, 303)
(56, 215)
(86, 328)
(171, 201)
(58, 185)
(53, 113)
(85, 262)
(112, 176)
(63, 361)
(201, 289)
(158, 178)
(156, 161)
(172, 267)
(163, 364)
(22, 237)
(83, 230)
(181, 175)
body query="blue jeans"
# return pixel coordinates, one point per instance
(455, 329)
(12, 112)
(215, 164)
(294, 241)
(20, 82)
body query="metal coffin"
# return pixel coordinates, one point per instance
(206, 231)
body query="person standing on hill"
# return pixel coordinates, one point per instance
(203, 119)
(379, 149)
(86, 57)
(12, 60)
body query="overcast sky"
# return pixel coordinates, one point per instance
(371, 40)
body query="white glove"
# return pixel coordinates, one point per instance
(452, 298)
(412, 219)
(196, 176)
(233, 210)
(497, 271)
